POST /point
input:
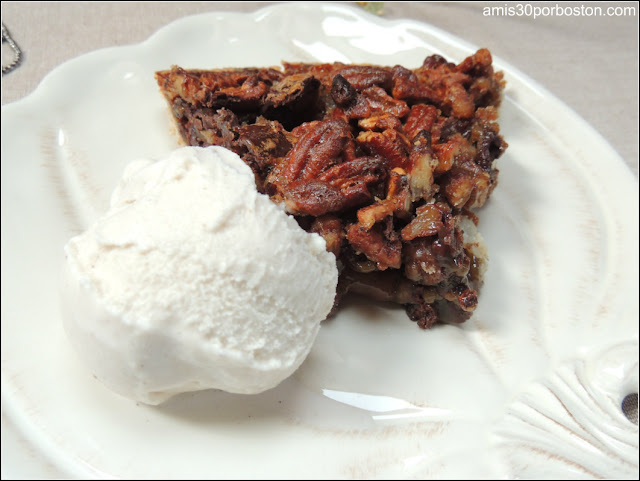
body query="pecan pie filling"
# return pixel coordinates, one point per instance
(387, 164)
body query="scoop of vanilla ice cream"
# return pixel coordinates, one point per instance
(194, 280)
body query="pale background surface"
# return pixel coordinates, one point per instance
(590, 63)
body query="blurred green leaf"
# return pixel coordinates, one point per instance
(376, 8)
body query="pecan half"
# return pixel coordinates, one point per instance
(321, 174)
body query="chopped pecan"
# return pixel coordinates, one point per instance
(450, 241)
(433, 61)
(248, 95)
(380, 122)
(451, 88)
(421, 117)
(477, 65)
(380, 102)
(407, 86)
(485, 90)
(397, 203)
(447, 127)
(365, 76)
(458, 101)
(455, 151)
(390, 145)
(380, 244)
(467, 187)
(373, 101)
(422, 164)
(427, 222)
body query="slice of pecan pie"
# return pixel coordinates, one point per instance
(386, 163)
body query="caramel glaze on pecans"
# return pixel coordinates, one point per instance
(383, 162)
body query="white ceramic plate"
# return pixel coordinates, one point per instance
(530, 387)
